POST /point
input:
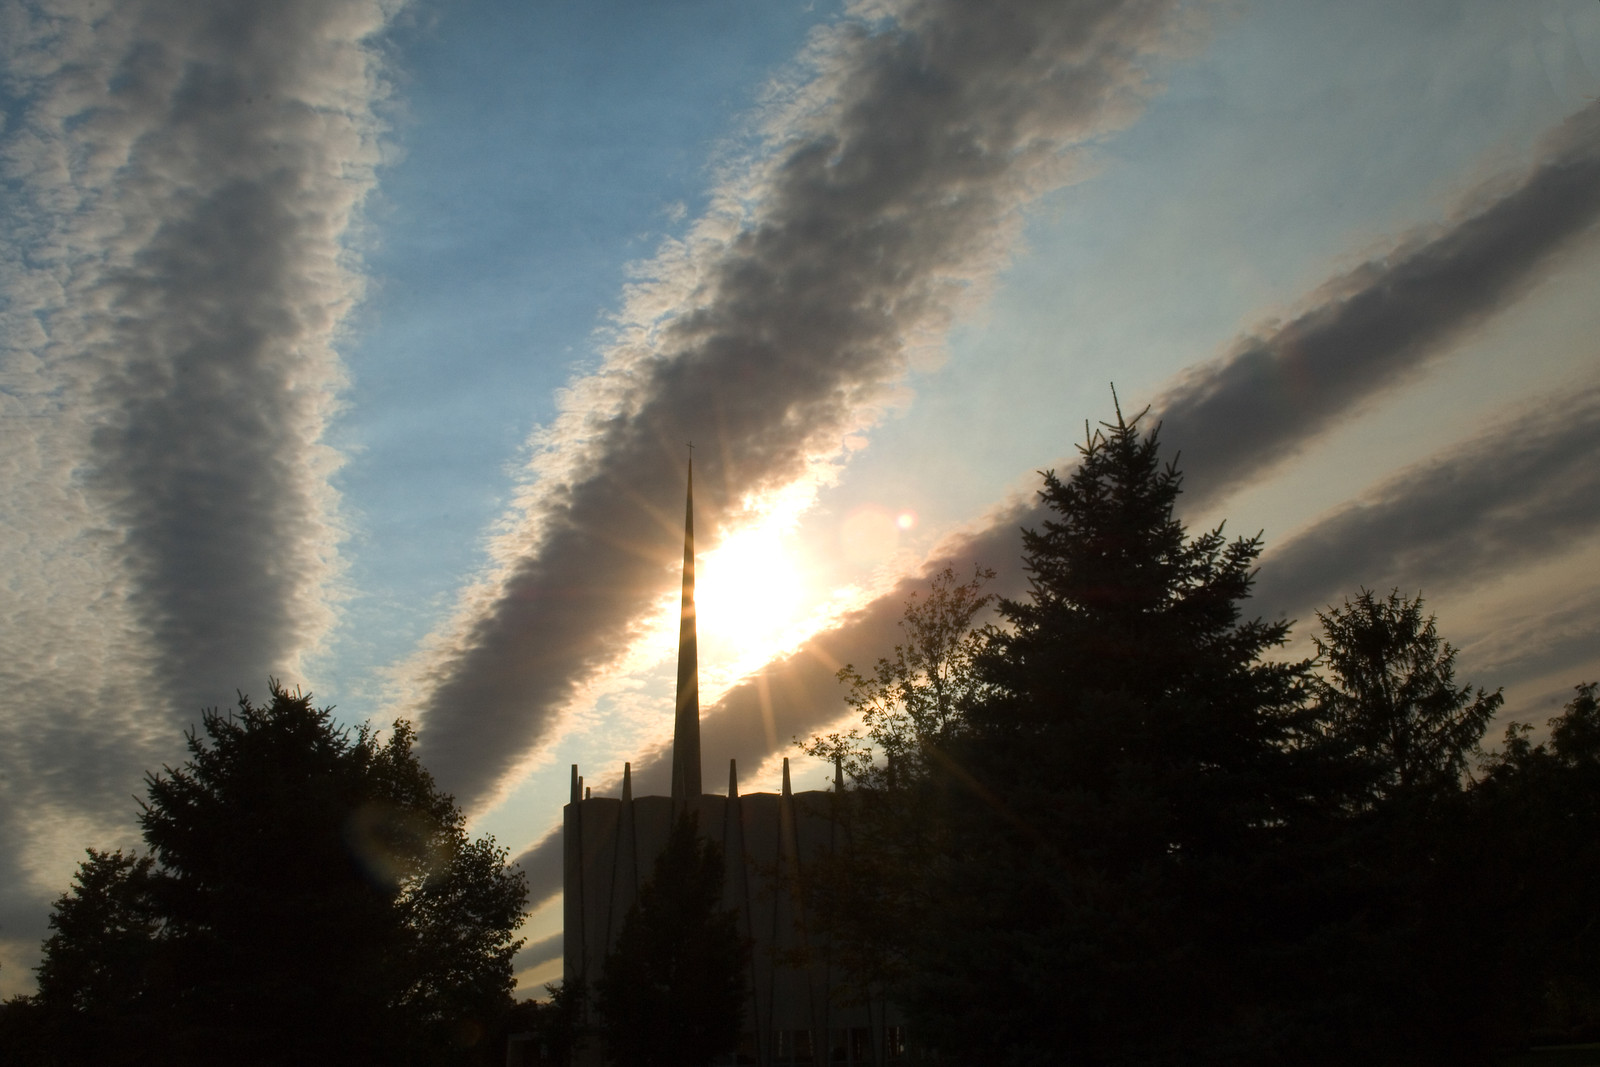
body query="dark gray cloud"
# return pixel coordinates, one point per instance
(1558, 641)
(541, 951)
(213, 367)
(1520, 492)
(891, 192)
(180, 179)
(1379, 324)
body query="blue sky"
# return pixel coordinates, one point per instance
(538, 152)
(357, 343)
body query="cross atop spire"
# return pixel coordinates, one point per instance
(686, 723)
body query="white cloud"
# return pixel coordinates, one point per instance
(180, 178)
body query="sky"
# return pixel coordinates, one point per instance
(359, 344)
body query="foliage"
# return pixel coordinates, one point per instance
(103, 929)
(24, 1031)
(1535, 830)
(559, 1019)
(915, 702)
(1119, 829)
(553, 1023)
(310, 896)
(1389, 696)
(1104, 807)
(673, 990)
(870, 893)
(1399, 874)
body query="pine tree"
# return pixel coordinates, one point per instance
(1114, 797)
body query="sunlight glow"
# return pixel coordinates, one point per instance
(870, 534)
(749, 592)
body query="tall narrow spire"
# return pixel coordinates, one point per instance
(686, 724)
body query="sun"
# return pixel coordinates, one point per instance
(749, 592)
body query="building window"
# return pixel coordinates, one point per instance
(894, 1042)
(860, 1045)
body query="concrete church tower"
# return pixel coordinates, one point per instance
(686, 724)
(794, 1017)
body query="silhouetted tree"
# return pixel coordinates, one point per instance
(1388, 694)
(916, 700)
(559, 1019)
(310, 896)
(870, 895)
(673, 990)
(1113, 794)
(24, 1032)
(1533, 847)
(553, 1023)
(101, 969)
(1399, 733)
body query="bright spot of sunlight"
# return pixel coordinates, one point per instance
(748, 591)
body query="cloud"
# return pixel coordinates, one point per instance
(1377, 325)
(1558, 640)
(1359, 334)
(181, 178)
(888, 196)
(1517, 493)
(542, 951)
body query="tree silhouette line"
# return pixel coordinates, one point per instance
(1120, 826)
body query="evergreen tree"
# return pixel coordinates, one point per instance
(1117, 797)
(95, 959)
(1398, 733)
(673, 991)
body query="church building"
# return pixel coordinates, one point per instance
(795, 1013)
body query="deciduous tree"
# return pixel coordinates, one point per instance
(310, 896)
(1531, 849)
(1389, 696)
(870, 894)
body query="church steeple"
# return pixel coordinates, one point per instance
(686, 725)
